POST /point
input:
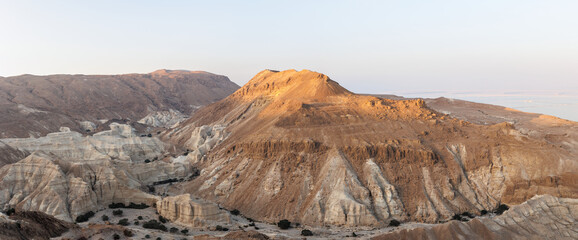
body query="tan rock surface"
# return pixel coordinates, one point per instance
(301, 147)
(542, 217)
(186, 210)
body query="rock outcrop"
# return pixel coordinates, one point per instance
(164, 119)
(36, 105)
(68, 174)
(31, 225)
(186, 210)
(542, 217)
(298, 146)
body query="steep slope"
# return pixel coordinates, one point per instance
(542, 217)
(37, 105)
(296, 145)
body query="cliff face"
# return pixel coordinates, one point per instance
(296, 145)
(68, 174)
(37, 105)
(186, 210)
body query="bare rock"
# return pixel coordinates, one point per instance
(185, 209)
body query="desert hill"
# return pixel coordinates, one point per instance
(296, 145)
(36, 105)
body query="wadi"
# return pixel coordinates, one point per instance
(289, 155)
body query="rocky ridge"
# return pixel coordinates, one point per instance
(36, 105)
(296, 145)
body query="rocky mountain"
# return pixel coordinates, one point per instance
(298, 146)
(36, 105)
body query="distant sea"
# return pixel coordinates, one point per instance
(562, 104)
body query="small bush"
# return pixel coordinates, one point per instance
(84, 217)
(174, 230)
(127, 233)
(136, 223)
(149, 135)
(284, 224)
(154, 224)
(104, 218)
(221, 228)
(117, 212)
(137, 206)
(147, 236)
(10, 211)
(139, 217)
(353, 234)
(123, 222)
(394, 223)
(116, 236)
(116, 205)
(484, 212)
(306, 232)
(235, 212)
(501, 209)
(162, 219)
(147, 161)
(185, 231)
(159, 238)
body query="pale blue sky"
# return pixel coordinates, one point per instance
(367, 46)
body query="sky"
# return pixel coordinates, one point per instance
(367, 46)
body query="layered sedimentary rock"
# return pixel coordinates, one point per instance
(164, 119)
(186, 210)
(296, 145)
(36, 105)
(68, 174)
(31, 225)
(542, 217)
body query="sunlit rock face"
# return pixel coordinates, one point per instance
(186, 210)
(68, 174)
(296, 145)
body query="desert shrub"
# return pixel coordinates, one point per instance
(147, 236)
(117, 212)
(221, 228)
(139, 217)
(137, 206)
(136, 223)
(353, 234)
(116, 205)
(252, 224)
(484, 212)
(10, 211)
(159, 238)
(284, 224)
(306, 232)
(147, 161)
(104, 218)
(127, 233)
(84, 217)
(173, 230)
(394, 223)
(154, 224)
(82, 238)
(501, 209)
(116, 236)
(149, 135)
(235, 212)
(185, 231)
(123, 222)
(162, 219)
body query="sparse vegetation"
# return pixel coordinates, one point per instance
(104, 218)
(173, 230)
(306, 232)
(221, 228)
(484, 212)
(139, 217)
(117, 212)
(501, 209)
(147, 161)
(147, 236)
(154, 224)
(116, 236)
(162, 219)
(10, 211)
(123, 222)
(394, 223)
(235, 212)
(284, 224)
(185, 231)
(84, 217)
(127, 233)
(131, 205)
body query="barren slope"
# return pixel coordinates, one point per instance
(37, 105)
(297, 145)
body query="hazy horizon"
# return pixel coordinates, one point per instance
(368, 46)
